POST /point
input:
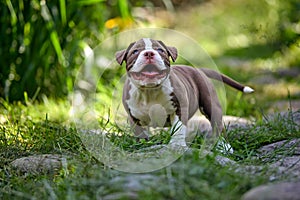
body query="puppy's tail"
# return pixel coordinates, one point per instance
(223, 78)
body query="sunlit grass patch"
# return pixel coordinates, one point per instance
(128, 142)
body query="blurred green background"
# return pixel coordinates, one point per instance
(43, 43)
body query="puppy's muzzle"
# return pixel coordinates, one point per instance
(149, 73)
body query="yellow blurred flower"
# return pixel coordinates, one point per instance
(118, 22)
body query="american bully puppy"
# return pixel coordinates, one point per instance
(157, 94)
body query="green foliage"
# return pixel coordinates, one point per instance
(130, 143)
(192, 176)
(42, 42)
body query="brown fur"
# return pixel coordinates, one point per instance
(191, 88)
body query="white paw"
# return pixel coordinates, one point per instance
(178, 138)
(223, 146)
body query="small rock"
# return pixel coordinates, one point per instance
(287, 166)
(37, 164)
(294, 116)
(290, 119)
(249, 169)
(230, 122)
(199, 123)
(224, 161)
(285, 157)
(135, 182)
(291, 147)
(289, 73)
(264, 79)
(284, 105)
(120, 195)
(279, 191)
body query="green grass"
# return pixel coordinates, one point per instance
(192, 176)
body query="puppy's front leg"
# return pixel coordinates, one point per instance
(178, 130)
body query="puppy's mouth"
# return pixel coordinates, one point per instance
(149, 72)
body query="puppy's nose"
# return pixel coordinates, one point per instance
(149, 54)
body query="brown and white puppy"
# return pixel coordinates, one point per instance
(157, 94)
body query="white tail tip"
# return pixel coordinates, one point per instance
(248, 89)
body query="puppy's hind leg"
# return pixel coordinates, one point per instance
(210, 106)
(218, 130)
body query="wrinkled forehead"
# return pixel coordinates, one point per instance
(146, 43)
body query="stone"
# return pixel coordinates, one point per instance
(224, 161)
(287, 167)
(284, 105)
(288, 119)
(293, 116)
(230, 122)
(264, 79)
(38, 164)
(286, 147)
(284, 158)
(288, 73)
(278, 191)
(134, 182)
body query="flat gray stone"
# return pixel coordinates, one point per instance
(284, 158)
(284, 105)
(230, 122)
(38, 164)
(287, 167)
(279, 191)
(286, 147)
(290, 118)
(135, 182)
(289, 73)
(293, 116)
(224, 161)
(264, 79)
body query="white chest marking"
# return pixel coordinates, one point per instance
(148, 43)
(141, 103)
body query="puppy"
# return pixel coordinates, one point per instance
(157, 94)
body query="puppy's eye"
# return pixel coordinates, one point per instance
(135, 51)
(160, 50)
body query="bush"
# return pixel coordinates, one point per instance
(42, 41)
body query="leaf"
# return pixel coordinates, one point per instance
(53, 34)
(63, 12)
(13, 15)
(88, 2)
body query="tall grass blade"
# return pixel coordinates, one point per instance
(88, 2)
(124, 9)
(53, 34)
(63, 11)
(13, 15)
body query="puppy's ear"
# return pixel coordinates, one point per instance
(172, 51)
(121, 55)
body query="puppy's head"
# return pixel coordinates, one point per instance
(147, 62)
